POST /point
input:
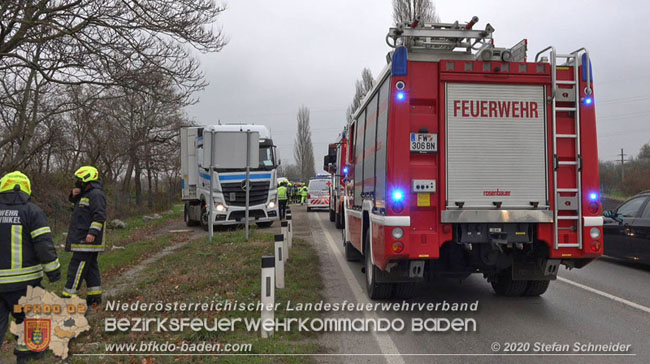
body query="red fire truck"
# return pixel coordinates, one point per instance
(336, 165)
(467, 158)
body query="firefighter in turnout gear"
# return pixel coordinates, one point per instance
(26, 252)
(283, 198)
(86, 235)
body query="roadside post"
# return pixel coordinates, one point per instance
(289, 231)
(279, 261)
(285, 238)
(268, 293)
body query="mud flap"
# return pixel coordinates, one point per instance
(540, 270)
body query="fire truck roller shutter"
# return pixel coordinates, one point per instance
(496, 145)
(370, 140)
(358, 159)
(382, 135)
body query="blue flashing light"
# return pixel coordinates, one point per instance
(593, 196)
(400, 62)
(346, 170)
(400, 95)
(588, 100)
(398, 195)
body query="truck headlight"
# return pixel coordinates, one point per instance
(272, 204)
(220, 208)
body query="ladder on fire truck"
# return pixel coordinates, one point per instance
(573, 201)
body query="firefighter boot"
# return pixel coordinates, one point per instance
(26, 356)
(95, 299)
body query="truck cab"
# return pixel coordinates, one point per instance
(229, 184)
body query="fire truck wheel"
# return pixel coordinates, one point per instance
(403, 290)
(376, 291)
(308, 209)
(340, 220)
(351, 253)
(332, 215)
(536, 288)
(506, 286)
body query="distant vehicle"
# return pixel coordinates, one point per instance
(319, 193)
(335, 162)
(627, 229)
(229, 187)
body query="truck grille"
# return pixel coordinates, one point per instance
(236, 196)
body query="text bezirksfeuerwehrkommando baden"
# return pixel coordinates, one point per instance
(289, 306)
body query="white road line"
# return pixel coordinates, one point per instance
(606, 295)
(384, 341)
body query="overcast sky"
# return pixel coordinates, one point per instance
(283, 54)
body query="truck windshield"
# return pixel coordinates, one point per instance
(266, 158)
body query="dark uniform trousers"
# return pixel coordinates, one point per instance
(83, 267)
(7, 302)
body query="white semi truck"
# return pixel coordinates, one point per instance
(229, 184)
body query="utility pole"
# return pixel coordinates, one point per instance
(622, 155)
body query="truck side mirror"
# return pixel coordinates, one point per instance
(608, 213)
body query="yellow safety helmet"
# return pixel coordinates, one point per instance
(87, 174)
(10, 180)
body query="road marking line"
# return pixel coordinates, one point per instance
(384, 341)
(606, 295)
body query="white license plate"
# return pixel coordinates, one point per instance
(424, 142)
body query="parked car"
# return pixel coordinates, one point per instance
(627, 229)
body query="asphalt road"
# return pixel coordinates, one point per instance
(606, 302)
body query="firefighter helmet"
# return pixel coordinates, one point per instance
(10, 180)
(87, 174)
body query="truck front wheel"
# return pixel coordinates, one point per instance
(376, 291)
(204, 217)
(504, 285)
(332, 215)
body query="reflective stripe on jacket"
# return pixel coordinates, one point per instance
(88, 217)
(26, 247)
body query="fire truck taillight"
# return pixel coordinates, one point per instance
(398, 196)
(401, 95)
(593, 196)
(346, 170)
(595, 246)
(588, 100)
(594, 233)
(398, 247)
(398, 233)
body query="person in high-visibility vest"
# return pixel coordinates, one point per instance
(282, 199)
(26, 253)
(86, 235)
(303, 194)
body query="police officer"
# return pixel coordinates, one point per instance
(26, 252)
(86, 235)
(282, 198)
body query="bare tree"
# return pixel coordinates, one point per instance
(406, 11)
(303, 150)
(361, 89)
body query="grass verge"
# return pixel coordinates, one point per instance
(226, 269)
